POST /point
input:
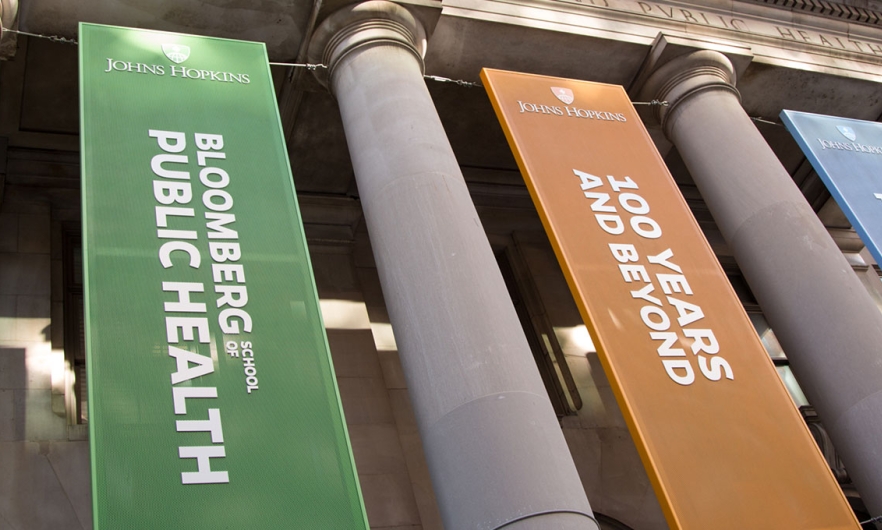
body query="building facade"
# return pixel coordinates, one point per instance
(439, 289)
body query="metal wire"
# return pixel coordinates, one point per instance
(760, 119)
(308, 66)
(53, 38)
(459, 82)
(653, 103)
(873, 520)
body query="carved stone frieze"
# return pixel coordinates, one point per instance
(775, 35)
(830, 9)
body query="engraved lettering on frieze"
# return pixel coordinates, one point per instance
(598, 3)
(693, 17)
(745, 25)
(829, 41)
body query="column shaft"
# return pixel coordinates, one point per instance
(819, 310)
(495, 451)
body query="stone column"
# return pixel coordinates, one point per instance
(8, 20)
(819, 310)
(495, 451)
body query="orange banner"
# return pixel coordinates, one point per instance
(720, 438)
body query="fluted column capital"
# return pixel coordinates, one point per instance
(683, 77)
(359, 26)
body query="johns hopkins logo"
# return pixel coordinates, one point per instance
(177, 53)
(848, 132)
(563, 94)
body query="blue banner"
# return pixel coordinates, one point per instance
(847, 154)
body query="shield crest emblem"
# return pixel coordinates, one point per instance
(848, 132)
(563, 94)
(177, 53)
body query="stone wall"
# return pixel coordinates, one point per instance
(44, 475)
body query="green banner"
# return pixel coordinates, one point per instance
(212, 398)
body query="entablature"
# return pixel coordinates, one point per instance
(775, 36)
